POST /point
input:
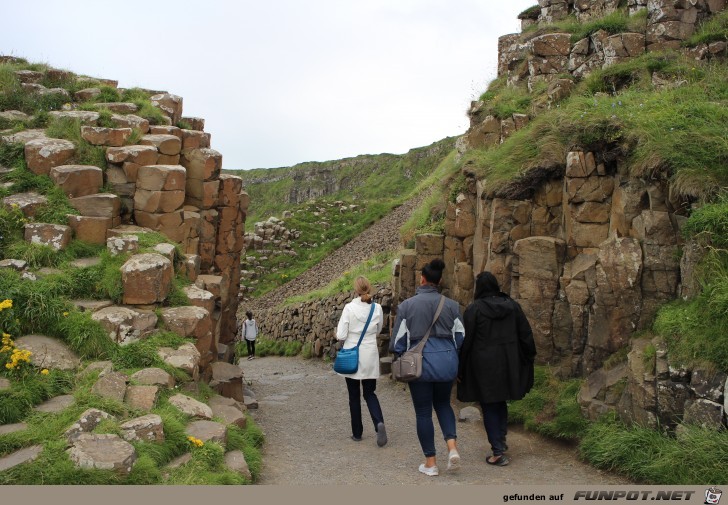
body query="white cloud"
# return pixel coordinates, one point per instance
(284, 81)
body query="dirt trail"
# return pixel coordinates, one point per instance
(303, 411)
(379, 237)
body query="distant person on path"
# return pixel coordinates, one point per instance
(496, 360)
(250, 333)
(439, 363)
(351, 324)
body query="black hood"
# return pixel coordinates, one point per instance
(496, 306)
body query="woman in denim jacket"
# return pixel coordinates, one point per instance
(439, 362)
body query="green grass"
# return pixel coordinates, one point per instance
(27, 391)
(616, 22)
(655, 131)
(647, 456)
(86, 153)
(714, 29)
(266, 347)
(551, 407)
(378, 269)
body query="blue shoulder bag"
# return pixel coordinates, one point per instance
(347, 360)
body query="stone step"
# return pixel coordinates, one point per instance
(56, 404)
(19, 457)
(49, 352)
(12, 428)
(77, 180)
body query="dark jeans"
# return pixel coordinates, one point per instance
(495, 420)
(375, 410)
(251, 347)
(425, 396)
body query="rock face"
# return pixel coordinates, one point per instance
(153, 377)
(102, 452)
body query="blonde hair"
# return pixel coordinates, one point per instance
(363, 288)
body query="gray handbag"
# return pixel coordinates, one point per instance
(409, 365)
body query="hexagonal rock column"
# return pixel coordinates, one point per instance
(43, 154)
(86, 423)
(192, 322)
(28, 203)
(146, 278)
(48, 352)
(56, 236)
(208, 431)
(227, 380)
(99, 136)
(154, 377)
(77, 180)
(103, 452)
(235, 461)
(147, 428)
(170, 104)
(191, 407)
(125, 325)
(186, 358)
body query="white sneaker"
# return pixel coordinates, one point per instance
(430, 471)
(453, 460)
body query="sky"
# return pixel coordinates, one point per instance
(281, 82)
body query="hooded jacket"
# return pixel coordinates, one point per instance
(496, 359)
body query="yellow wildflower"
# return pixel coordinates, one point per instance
(44, 371)
(65, 314)
(6, 304)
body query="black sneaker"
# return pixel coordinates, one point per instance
(381, 435)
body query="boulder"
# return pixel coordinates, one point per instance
(48, 352)
(119, 107)
(88, 421)
(208, 431)
(165, 144)
(191, 407)
(112, 386)
(200, 298)
(235, 461)
(227, 380)
(111, 137)
(28, 203)
(153, 377)
(229, 415)
(97, 205)
(131, 121)
(188, 321)
(147, 428)
(85, 117)
(45, 153)
(202, 164)
(103, 367)
(141, 397)
(122, 244)
(470, 414)
(170, 104)
(103, 452)
(86, 94)
(186, 358)
(27, 76)
(147, 279)
(161, 178)
(53, 235)
(17, 265)
(125, 325)
(140, 155)
(704, 413)
(90, 229)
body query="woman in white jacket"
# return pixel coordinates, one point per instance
(349, 329)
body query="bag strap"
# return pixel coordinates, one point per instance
(419, 347)
(371, 311)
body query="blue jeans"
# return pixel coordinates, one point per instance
(375, 410)
(425, 396)
(495, 420)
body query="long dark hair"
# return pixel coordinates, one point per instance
(486, 285)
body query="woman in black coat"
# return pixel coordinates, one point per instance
(496, 359)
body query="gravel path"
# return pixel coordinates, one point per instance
(303, 411)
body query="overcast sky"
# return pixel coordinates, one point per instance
(280, 82)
